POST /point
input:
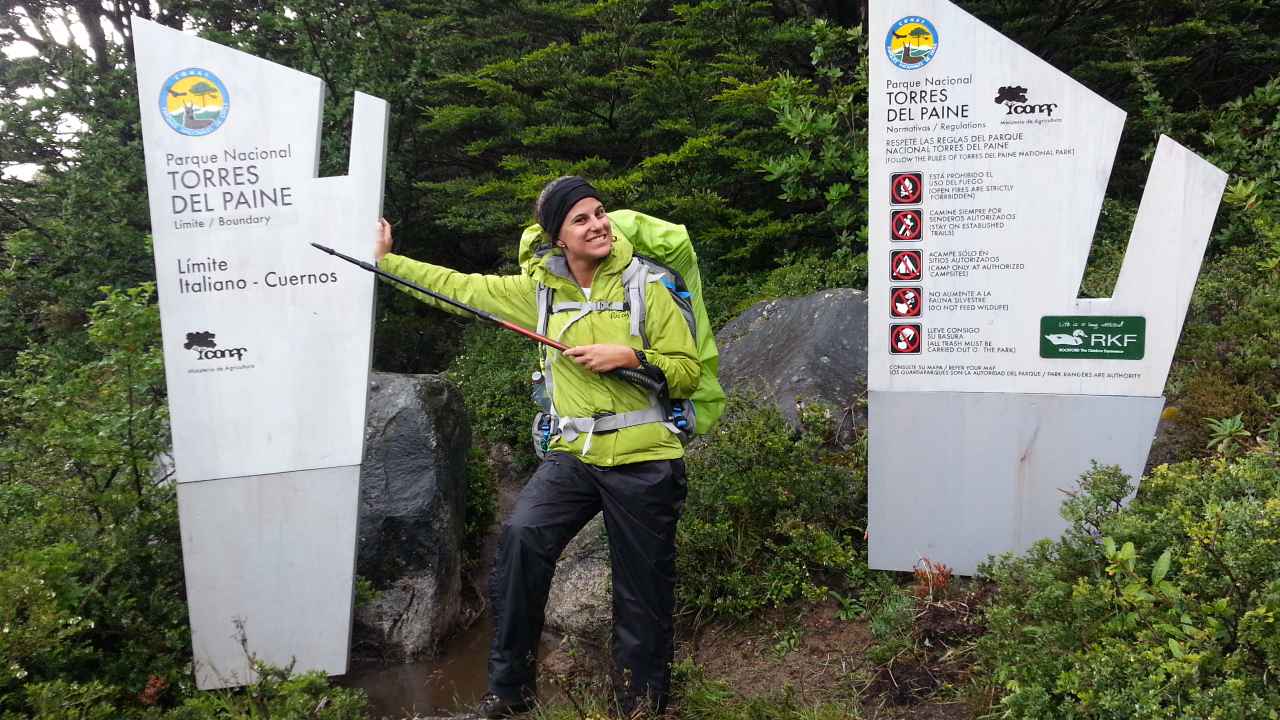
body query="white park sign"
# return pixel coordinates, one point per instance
(266, 343)
(993, 385)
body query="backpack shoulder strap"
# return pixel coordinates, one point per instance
(657, 271)
(543, 299)
(634, 278)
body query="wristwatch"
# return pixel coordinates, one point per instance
(640, 356)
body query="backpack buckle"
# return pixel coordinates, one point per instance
(603, 414)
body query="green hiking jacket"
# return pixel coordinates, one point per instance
(578, 392)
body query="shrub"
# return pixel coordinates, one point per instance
(1230, 350)
(276, 693)
(482, 506)
(93, 618)
(1165, 608)
(93, 600)
(493, 372)
(771, 514)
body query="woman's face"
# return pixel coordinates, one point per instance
(586, 233)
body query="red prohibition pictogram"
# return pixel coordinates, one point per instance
(905, 225)
(906, 188)
(904, 302)
(904, 339)
(905, 265)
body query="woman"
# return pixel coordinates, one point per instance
(634, 474)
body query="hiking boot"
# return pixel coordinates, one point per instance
(638, 707)
(492, 706)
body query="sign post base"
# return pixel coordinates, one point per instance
(270, 559)
(959, 476)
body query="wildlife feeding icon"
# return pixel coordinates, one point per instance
(266, 342)
(992, 385)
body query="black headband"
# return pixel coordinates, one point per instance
(561, 200)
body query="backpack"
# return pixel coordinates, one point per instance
(662, 253)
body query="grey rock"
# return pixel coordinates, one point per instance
(413, 493)
(581, 600)
(814, 347)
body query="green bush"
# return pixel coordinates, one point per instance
(1228, 354)
(771, 516)
(482, 505)
(811, 273)
(1164, 608)
(276, 693)
(91, 591)
(493, 372)
(1230, 349)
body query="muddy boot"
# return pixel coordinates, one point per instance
(493, 706)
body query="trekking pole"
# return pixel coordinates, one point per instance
(636, 376)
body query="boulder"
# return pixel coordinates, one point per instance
(812, 347)
(413, 493)
(580, 603)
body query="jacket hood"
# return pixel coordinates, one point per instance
(542, 260)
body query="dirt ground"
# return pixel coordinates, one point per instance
(806, 651)
(810, 651)
(817, 656)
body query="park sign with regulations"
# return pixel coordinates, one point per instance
(266, 343)
(992, 384)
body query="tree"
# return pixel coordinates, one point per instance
(203, 88)
(77, 218)
(919, 34)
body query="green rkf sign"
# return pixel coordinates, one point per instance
(1091, 337)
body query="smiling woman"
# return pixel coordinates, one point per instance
(607, 445)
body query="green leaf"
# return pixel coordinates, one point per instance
(1161, 568)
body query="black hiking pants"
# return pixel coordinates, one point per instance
(641, 504)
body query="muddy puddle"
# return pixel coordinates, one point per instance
(441, 686)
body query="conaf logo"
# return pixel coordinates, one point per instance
(1014, 97)
(206, 349)
(911, 42)
(194, 102)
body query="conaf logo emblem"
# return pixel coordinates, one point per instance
(1014, 97)
(194, 102)
(200, 339)
(911, 42)
(205, 347)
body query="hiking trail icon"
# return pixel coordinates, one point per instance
(906, 225)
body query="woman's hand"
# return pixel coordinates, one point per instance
(382, 243)
(603, 357)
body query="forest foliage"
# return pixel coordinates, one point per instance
(744, 120)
